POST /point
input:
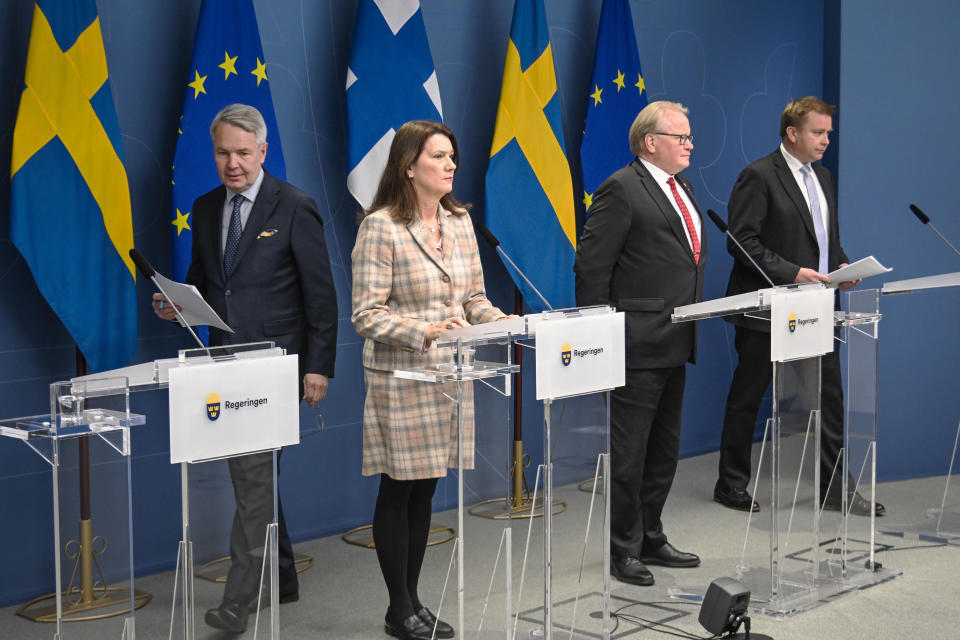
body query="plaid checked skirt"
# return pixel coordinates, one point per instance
(410, 427)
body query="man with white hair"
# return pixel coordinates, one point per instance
(642, 251)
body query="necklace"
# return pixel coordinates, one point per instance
(432, 228)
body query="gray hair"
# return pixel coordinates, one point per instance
(244, 116)
(648, 121)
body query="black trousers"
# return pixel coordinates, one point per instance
(751, 379)
(252, 477)
(644, 444)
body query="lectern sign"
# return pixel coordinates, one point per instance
(801, 324)
(224, 409)
(579, 354)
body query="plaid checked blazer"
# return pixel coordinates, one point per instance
(400, 286)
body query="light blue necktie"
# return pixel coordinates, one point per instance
(233, 236)
(817, 219)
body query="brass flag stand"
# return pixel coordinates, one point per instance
(519, 504)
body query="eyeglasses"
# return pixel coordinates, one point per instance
(682, 138)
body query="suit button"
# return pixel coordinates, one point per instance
(446, 278)
(448, 302)
(227, 292)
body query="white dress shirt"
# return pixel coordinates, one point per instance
(250, 194)
(660, 177)
(795, 167)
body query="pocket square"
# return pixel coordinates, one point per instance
(266, 233)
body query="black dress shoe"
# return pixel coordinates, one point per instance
(856, 504)
(629, 569)
(289, 594)
(413, 628)
(669, 556)
(229, 616)
(443, 629)
(736, 498)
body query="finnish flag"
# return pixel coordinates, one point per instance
(390, 80)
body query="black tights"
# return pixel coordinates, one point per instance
(401, 525)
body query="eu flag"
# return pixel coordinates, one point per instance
(617, 96)
(227, 67)
(529, 191)
(390, 80)
(70, 200)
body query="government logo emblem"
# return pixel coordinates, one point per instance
(566, 353)
(213, 406)
(792, 322)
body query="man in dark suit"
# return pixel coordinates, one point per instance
(642, 251)
(783, 210)
(260, 261)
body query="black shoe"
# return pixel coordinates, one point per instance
(669, 556)
(229, 616)
(736, 498)
(629, 569)
(413, 628)
(856, 504)
(443, 629)
(289, 594)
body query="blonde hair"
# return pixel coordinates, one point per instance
(648, 121)
(794, 112)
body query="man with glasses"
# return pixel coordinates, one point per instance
(643, 251)
(783, 210)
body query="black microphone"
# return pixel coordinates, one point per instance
(142, 265)
(492, 240)
(488, 235)
(717, 220)
(925, 219)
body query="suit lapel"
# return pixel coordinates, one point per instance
(210, 233)
(667, 209)
(793, 190)
(263, 208)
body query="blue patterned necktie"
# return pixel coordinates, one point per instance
(823, 267)
(233, 236)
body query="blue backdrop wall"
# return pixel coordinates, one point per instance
(734, 64)
(898, 146)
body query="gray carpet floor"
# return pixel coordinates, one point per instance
(342, 595)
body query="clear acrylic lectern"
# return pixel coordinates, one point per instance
(795, 554)
(220, 378)
(502, 552)
(942, 523)
(86, 435)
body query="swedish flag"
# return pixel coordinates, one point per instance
(70, 201)
(617, 96)
(227, 67)
(529, 191)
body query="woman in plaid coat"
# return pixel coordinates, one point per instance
(416, 274)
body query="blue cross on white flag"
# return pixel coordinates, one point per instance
(390, 80)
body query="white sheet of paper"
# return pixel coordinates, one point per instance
(863, 268)
(194, 308)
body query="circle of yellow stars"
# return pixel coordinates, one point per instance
(229, 65)
(597, 95)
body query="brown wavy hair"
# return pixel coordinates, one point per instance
(395, 192)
